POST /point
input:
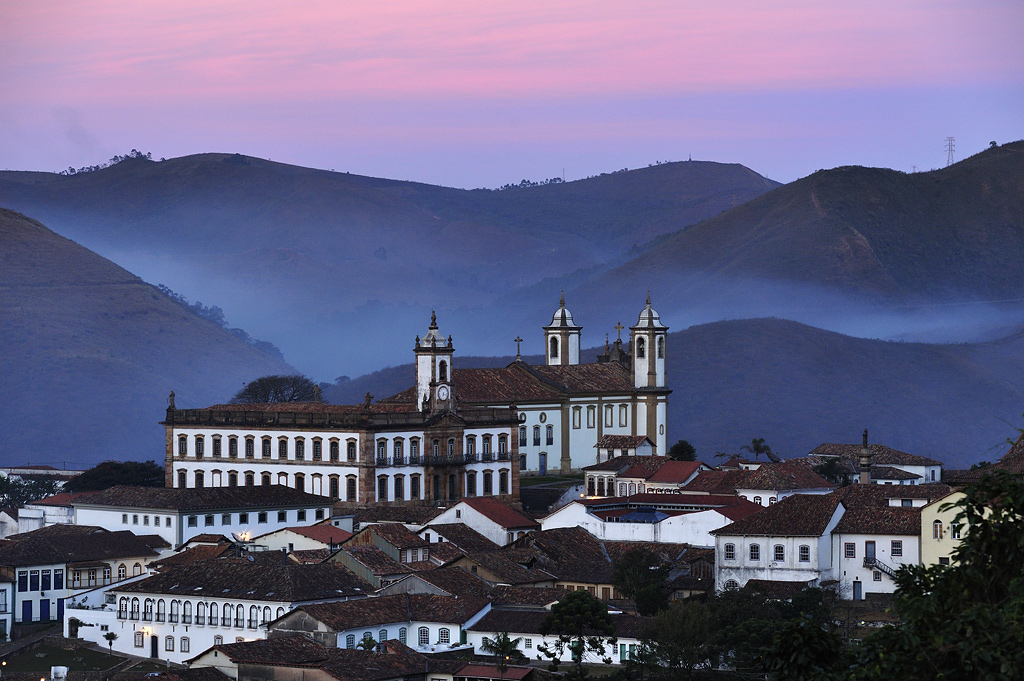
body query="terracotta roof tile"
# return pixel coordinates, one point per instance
(202, 498)
(880, 455)
(75, 543)
(462, 536)
(507, 570)
(397, 535)
(879, 495)
(890, 473)
(784, 476)
(799, 515)
(306, 556)
(325, 533)
(375, 560)
(501, 513)
(532, 596)
(622, 441)
(443, 553)
(280, 650)
(619, 464)
(409, 515)
(675, 471)
(61, 499)
(288, 583)
(455, 581)
(719, 482)
(397, 608)
(570, 553)
(880, 520)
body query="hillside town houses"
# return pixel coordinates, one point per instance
(311, 536)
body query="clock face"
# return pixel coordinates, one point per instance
(442, 392)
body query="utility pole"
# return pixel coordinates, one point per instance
(950, 147)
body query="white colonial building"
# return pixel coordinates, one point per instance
(429, 448)
(185, 609)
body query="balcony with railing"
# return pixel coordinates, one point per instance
(253, 624)
(187, 619)
(173, 618)
(147, 617)
(200, 620)
(240, 622)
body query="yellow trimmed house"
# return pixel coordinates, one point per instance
(940, 534)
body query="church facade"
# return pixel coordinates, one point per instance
(564, 406)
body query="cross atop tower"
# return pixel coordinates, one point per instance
(517, 340)
(619, 327)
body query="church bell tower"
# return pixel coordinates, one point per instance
(434, 368)
(647, 344)
(562, 338)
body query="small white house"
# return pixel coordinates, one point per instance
(870, 544)
(496, 520)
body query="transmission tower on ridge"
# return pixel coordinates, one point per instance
(950, 147)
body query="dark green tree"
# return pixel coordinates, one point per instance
(16, 492)
(581, 623)
(111, 473)
(640, 575)
(966, 620)
(682, 451)
(504, 648)
(682, 638)
(269, 389)
(806, 650)
(835, 471)
(757, 447)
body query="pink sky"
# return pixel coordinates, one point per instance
(473, 93)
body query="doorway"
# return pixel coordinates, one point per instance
(154, 642)
(44, 610)
(858, 591)
(542, 466)
(869, 552)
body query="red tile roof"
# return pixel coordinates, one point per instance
(890, 473)
(396, 608)
(880, 455)
(784, 476)
(501, 513)
(618, 464)
(622, 441)
(462, 536)
(675, 471)
(719, 482)
(880, 520)
(323, 533)
(61, 499)
(376, 561)
(799, 515)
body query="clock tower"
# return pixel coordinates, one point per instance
(434, 369)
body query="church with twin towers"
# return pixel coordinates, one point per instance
(454, 433)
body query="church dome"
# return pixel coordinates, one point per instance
(562, 319)
(433, 336)
(649, 317)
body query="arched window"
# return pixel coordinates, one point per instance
(600, 487)
(147, 610)
(280, 611)
(805, 553)
(318, 450)
(471, 484)
(250, 480)
(161, 610)
(549, 435)
(350, 641)
(350, 484)
(444, 635)
(780, 553)
(755, 552)
(186, 612)
(335, 451)
(757, 500)
(640, 348)
(232, 479)
(135, 609)
(731, 585)
(182, 479)
(265, 452)
(382, 635)
(503, 482)
(175, 611)
(334, 487)
(414, 487)
(536, 436)
(661, 348)
(201, 613)
(487, 446)
(730, 552)
(488, 483)
(182, 445)
(122, 571)
(554, 348)
(266, 615)
(137, 569)
(169, 643)
(522, 436)
(300, 482)
(239, 616)
(265, 479)
(232, 447)
(282, 448)
(442, 370)
(399, 487)
(213, 614)
(403, 635)
(200, 479)
(522, 462)
(502, 444)
(398, 450)
(435, 448)
(937, 529)
(199, 446)
(451, 448)
(184, 647)
(122, 607)
(351, 451)
(300, 448)
(250, 448)
(424, 637)
(218, 640)
(382, 488)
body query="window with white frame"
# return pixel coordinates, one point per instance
(850, 550)
(780, 553)
(755, 552)
(897, 547)
(805, 553)
(730, 552)
(424, 637)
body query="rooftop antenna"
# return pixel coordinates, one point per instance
(950, 148)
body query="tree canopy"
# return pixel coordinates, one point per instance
(16, 492)
(581, 624)
(682, 451)
(278, 388)
(111, 473)
(640, 575)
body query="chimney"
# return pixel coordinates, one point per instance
(865, 461)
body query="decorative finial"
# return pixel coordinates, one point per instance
(619, 327)
(865, 438)
(316, 393)
(170, 401)
(517, 341)
(417, 340)
(606, 342)
(367, 399)
(648, 297)
(433, 319)
(449, 340)
(561, 301)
